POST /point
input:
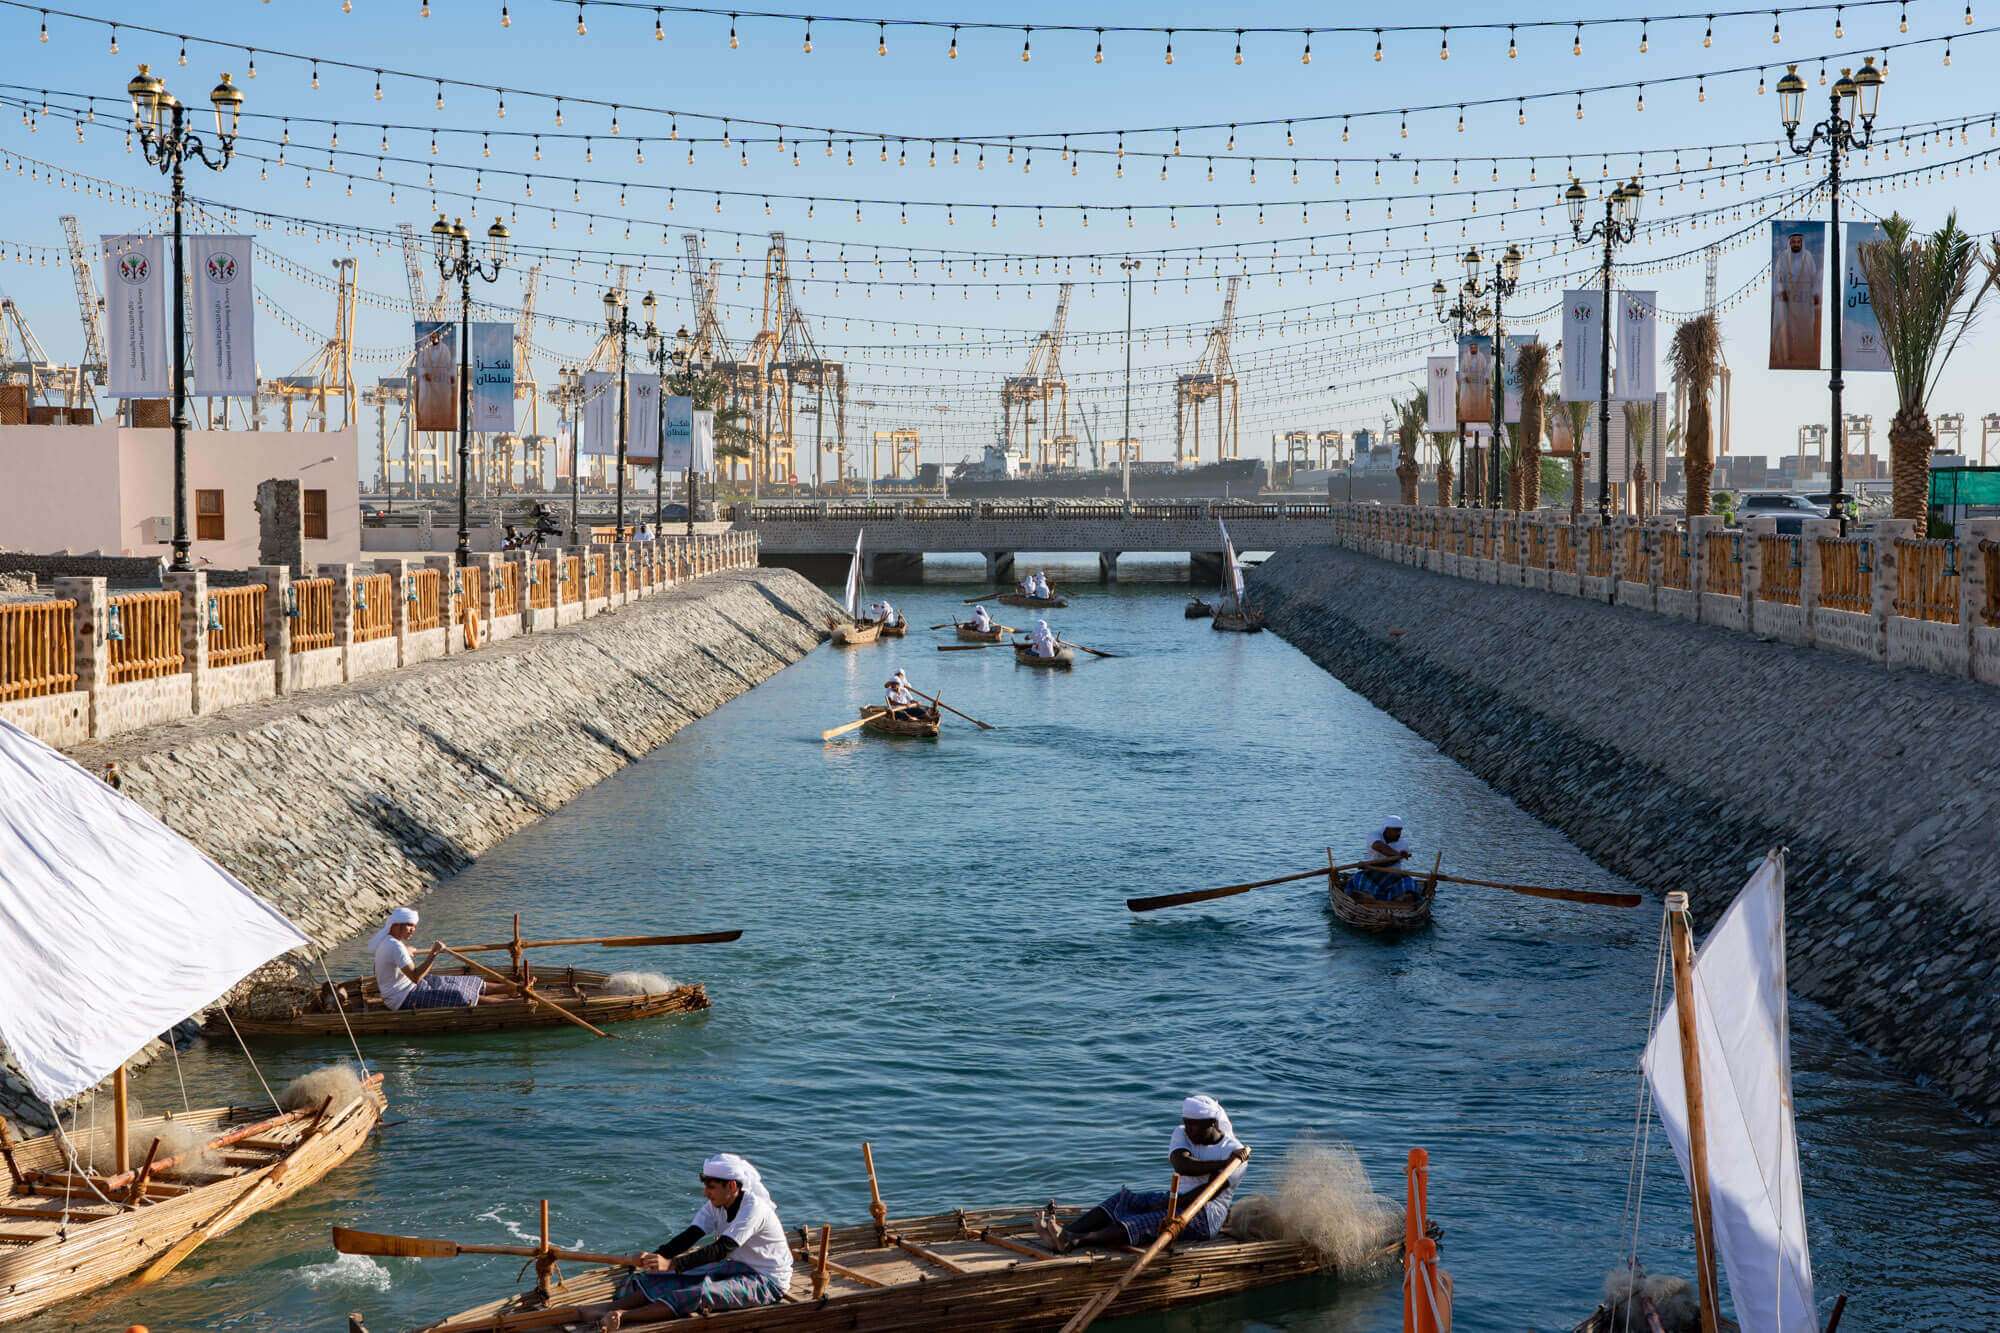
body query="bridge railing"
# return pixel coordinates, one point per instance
(1058, 511)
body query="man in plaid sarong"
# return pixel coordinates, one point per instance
(1382, 875)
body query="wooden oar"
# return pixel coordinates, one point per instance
(971, 647)
(1087, 1316)
(1154, 904)
(989, 596)
(194, 1239)
(424, 1247)
(611, 941)
(1094, 652)
(983, 726)
(1541, 891)
(841, 731)
(528, 990)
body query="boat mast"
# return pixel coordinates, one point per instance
(121, 1160)
(1682, 939)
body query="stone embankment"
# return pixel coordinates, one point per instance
(336, 804)
(1674, 753)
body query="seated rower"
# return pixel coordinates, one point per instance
(748, 1263)
(903, 702)
(1202, 1146)
(883, 614)
(981, 621)
(1383, 876)
(1042, 642)
(1026, 587)
(1041, 585)
(404, 983)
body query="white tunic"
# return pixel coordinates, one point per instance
(981, 621)
(759, 1236)
(391, 957)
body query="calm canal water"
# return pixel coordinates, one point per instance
(938, 959)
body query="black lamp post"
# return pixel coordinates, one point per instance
(168, 143)
(1620, 225)
(657, 352)
(455, 261)
(1463, 317)
(1506, 277)
(622, 326)
(1852, 94)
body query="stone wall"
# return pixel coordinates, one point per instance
(339, 804)
(1674, 753)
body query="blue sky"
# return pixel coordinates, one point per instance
(911, 351)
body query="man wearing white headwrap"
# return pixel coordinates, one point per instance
(1042, 642)
(747, 1263)
(403, 982)
(1202, 1146)
(1383, 876)
(982, 621)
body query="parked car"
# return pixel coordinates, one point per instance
(1789, 509)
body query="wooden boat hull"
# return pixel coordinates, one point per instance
(979, 1287)
(1376, 916)
(571, 989)
(115, 1244)
(922, 728)
(848, 636)
(1016, 599)
(896, 631)
(1238, 622)
(971, 635)
(1198, 610)
(1064, 659)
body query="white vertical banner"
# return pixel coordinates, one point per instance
(135, 310)
(1583, 348)
(1637, 379)
(225, 317)
(704, 441)
(600, 412)
(493, 377)
(1511, 374)
(642, 434)
(1441, 394)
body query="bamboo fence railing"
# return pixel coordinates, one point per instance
(236, 625)
(1927, 580)
(1724, 572)
(147, 642)
(1782, 577)
(313, 627)
(374, 613)
(37, 648)
(1844, 574)
(426, 599)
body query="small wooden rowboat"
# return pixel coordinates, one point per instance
(897, 630)
(571, 989)
(882, 723)
(1065, 657)
(1197, 609)
(861, 631)
(1380, 916)
(995, 635)
(60, 1239)
(1238, 622)
(1019, 599)
(973, 1271)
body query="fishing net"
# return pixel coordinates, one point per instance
(1325, 1202)
(638, 983)
(307, 1091)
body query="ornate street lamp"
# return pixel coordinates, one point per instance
(1462, 318)
(1620, 225)
(619, 322)
(1506, 278)
(456, 262)
(168, 143)
(1855, 99)
(659, 354)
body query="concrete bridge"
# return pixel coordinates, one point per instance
(817, 536)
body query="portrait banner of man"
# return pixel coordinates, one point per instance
(1475, 378)
(1798, 292)
(437, 375)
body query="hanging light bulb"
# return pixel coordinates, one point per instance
(732, 32)
(581, 29)
(1444, 45)
(809, 37)
(952, 53)
(881, 39)
(1239, 46)
(1026, 35)
(1513, 51)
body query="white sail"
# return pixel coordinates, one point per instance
(854, 579)
(1754, 1190)
(1233, 570)
(113, 928)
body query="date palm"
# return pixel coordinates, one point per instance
(1410, 414)
(1918, 287)
(1579, 421)
(1695, 357)
(1638, 423)
(1531, 366)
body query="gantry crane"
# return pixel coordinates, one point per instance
(1041, 386)
(93, 369)
(1330, 442)
(31, 367)
(1213, 379)
(330, 369)
(708, 344)
(806, 382)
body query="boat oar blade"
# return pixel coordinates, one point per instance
(1543, 891)
(1155, 903)
(637, 941)
(842, 731)
(966, 647)
(348, 1241)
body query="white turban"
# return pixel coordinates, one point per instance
(1042, 626)
(1392, 823)
(1201, 1106)
(728, 1166)
(402, 916)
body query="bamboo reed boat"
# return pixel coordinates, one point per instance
(1238, 622)
(1020, 599)
(997, 634)
(1380, 916)
(1232, 613)
(973, 1271)
(1197, 609)
(897, 630)
(60, 1238)
(1064, 659)
(882, 723)
(848, 636)
(359, 1008)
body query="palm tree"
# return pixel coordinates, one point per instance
(1410, 414)
(1579, 422)
(1638, 423)
(1531, 365)
(1445, 477)
(1916, 287)
(1696, 353)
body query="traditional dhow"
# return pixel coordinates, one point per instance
(168, 933)
(598, 998)
(857, 630)
(1197, 609)
(881, 720)
(971, 1270)
(1021, 599)
(1238, 622)
(1232, 613)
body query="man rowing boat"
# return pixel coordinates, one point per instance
(981, 621)
(403, 982)
(1042, 642)
(1203, 1145)
(884, 614)
(903, 701)
(747, 1263)
(1038, 586)
(1382, 875)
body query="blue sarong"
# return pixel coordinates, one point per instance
(1386, 885)
(728, 1285)
(436, 992)
(1143, 1213)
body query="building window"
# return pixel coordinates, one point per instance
(208, 516)
(315, 516)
